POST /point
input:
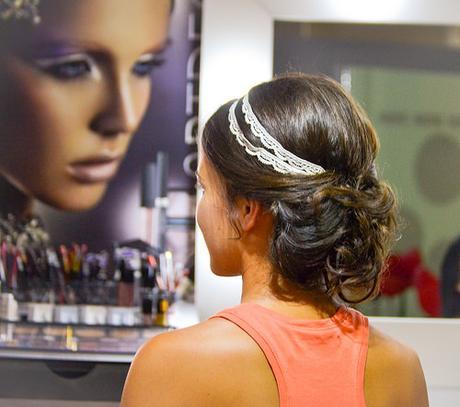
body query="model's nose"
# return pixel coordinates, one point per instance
(118, 115)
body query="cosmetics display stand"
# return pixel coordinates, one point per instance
(73, 364)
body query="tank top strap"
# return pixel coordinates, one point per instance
(253, 324)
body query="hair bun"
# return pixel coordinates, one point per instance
(345, 232)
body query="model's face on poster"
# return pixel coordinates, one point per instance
(73, 91)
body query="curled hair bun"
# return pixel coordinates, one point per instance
(343, 230)
(332, 231)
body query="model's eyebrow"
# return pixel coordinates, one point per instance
(159, 49)
(56, 48)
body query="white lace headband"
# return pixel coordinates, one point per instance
(281, 159)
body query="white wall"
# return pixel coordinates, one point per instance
(443, 12)
(436, 342)
(236, 53)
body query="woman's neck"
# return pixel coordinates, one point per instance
(263, 285)
(13, 201)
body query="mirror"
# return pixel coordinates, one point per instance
(407, 78)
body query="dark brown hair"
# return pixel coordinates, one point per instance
(332, 231)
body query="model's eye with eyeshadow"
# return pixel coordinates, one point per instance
(67, 67)
(146, 64)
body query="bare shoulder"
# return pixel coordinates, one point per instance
(191, 366)
(394, 375)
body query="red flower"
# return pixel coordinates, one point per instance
(407, 270)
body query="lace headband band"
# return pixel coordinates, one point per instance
(280, 159)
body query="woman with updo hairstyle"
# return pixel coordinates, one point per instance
(293, 203)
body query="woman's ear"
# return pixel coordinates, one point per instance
(249, 212)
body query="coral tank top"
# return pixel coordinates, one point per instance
(317, 363)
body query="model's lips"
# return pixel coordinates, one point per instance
(98, 169)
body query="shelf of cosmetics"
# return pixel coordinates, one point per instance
(21, 338)
(127, 287)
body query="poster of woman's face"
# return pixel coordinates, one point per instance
(80, 86)
(76, 87)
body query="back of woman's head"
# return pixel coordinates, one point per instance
(333, 227)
